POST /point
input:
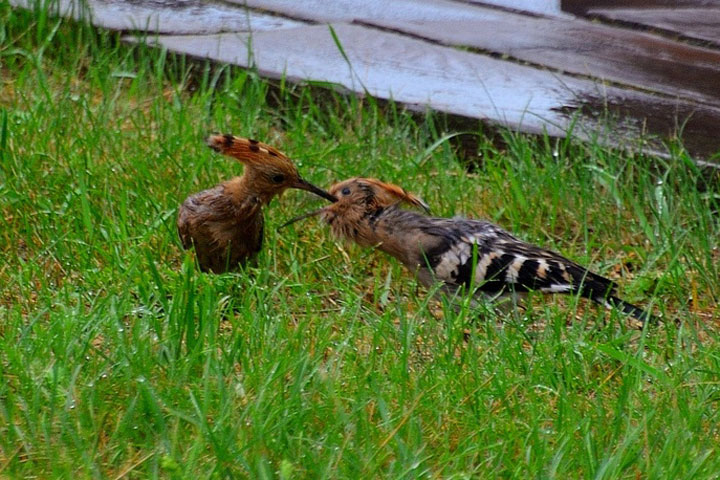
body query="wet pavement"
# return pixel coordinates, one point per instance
(407, 70)
(532, 66)
(617, 56)
(170, 16)
(698, 24)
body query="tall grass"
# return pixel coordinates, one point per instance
(120, 359)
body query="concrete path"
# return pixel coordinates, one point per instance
(507, 62)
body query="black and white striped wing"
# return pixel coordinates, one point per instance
(495, 261)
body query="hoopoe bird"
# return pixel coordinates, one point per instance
(225, 223)
(458, 252)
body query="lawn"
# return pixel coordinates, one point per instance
(119, 359)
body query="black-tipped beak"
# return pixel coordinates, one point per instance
(305, 185)
(301, 217)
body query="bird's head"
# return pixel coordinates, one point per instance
(270, 171)
(358, 199)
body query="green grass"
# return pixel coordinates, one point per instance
(119, 359)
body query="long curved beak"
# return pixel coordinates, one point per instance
(301, 217)
(305, 185)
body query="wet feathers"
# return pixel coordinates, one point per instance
(460, 253)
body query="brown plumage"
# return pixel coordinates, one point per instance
(458, 252)
(225, 223)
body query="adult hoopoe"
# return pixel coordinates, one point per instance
(225, 223)
(458, 252)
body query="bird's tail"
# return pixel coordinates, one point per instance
(628, 309)
(602, 290)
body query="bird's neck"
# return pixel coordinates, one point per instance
(396, 232)
(245, 189)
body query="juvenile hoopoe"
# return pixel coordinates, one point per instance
(225, 223)
(458, 252)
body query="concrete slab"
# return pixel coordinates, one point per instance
(548, 8)
(616, 55)
(345, 11)
(416, 73)
(702, 24)
(166, 16)
(655, 84)
(620, 56)
(409, 71)
(581, 7)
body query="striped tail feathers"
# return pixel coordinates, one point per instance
(603, 291)
(568, 277)
(628, 308)
(551, 273)
(590, 284)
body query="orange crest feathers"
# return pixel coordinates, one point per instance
(248, 150)
(389, 193)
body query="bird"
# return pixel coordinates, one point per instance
(225, 223)
(458, 252)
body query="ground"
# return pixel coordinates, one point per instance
(121, 359)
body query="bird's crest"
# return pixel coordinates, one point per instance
(363, 194)
(383, 194)
(249, 151)
(268, 171)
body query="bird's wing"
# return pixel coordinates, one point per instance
(184, 233)
(201, 213)
(259, 237)
(493, 260)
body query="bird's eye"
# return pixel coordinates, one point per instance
(279, 178)
(345, 191)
